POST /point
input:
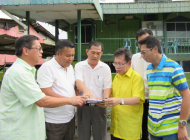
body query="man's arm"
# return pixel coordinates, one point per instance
(82, 88)
(106, 94)
(52, 102)
(77, 91)
(137, 89)
(185, 108)
(48, 91)
(127, 101)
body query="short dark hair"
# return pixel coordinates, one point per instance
(60, 45)
(151, 42)
(123, 51)
(24, 41)
(95, 43)
(143, 31)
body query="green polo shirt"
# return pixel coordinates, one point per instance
(20, 117)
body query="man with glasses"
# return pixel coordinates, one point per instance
(93, 79)
(169, 96)
(139, 65)
(21, 99)
(128, 99)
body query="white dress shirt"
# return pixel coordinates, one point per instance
(97, 79)
(62, 81)
(140, 65)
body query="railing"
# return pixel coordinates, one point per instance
(178, 45)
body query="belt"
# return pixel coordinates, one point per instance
(90, 104)
(147, 101)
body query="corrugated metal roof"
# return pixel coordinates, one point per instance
(42, 2)
(51, 10)
(146, 7)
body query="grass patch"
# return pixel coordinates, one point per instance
(187, 75)
(73, 63)
(1, 75)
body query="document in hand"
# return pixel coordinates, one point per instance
(94, 101)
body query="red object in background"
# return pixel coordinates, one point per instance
(5, 58)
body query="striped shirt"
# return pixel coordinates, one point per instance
(164, 97)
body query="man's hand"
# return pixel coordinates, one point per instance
(88, 94)
(182, 133)
(113, 101)
(103, 104)
(78, 100)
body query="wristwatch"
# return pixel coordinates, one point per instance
(183, 122)
(122, 102)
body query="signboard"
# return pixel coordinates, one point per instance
(155, 26)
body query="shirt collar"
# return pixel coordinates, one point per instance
(56, 63)
(140, 56)
(97, 66)
(25, 64)
(161, 64)
(129, 72)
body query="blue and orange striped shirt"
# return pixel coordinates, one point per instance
(164, 98)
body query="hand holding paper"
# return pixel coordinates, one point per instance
(94, 101)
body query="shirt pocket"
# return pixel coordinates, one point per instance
(98, 80)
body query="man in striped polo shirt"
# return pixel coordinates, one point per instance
(169, 96)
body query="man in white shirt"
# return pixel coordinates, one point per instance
(56, 78)
(93, 79)
(139, 65)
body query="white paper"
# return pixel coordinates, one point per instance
(93, 101)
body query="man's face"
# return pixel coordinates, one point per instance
(146, 53)
(94, 55)
(35, 52)
(65, 57)
(123, 67)
(141, 38)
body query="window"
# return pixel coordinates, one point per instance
(186, 65)
(176, 29)
(180, 27)
(86, 33)
(170, 26)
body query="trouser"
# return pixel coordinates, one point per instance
(171, 137)
(94, 117)
(145, 121)
(64, 131)
(114, 138)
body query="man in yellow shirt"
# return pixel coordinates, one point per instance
(128, 99)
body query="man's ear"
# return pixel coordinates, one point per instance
(156, 48)
(86, 51)
(25, 50)
(130, 63)
(57, 53)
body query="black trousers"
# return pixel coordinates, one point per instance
(64, 131)
(114, 138)
(145, 121)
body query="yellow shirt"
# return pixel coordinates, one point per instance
(126, 120)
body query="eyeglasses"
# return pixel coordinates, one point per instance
(144, 52)
(39, 49)
(118, 64)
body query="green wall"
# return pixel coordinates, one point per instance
(117, 27)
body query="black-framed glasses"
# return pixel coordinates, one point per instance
(144, 52)
(119, 64)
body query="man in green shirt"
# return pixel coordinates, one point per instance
(21, 100)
